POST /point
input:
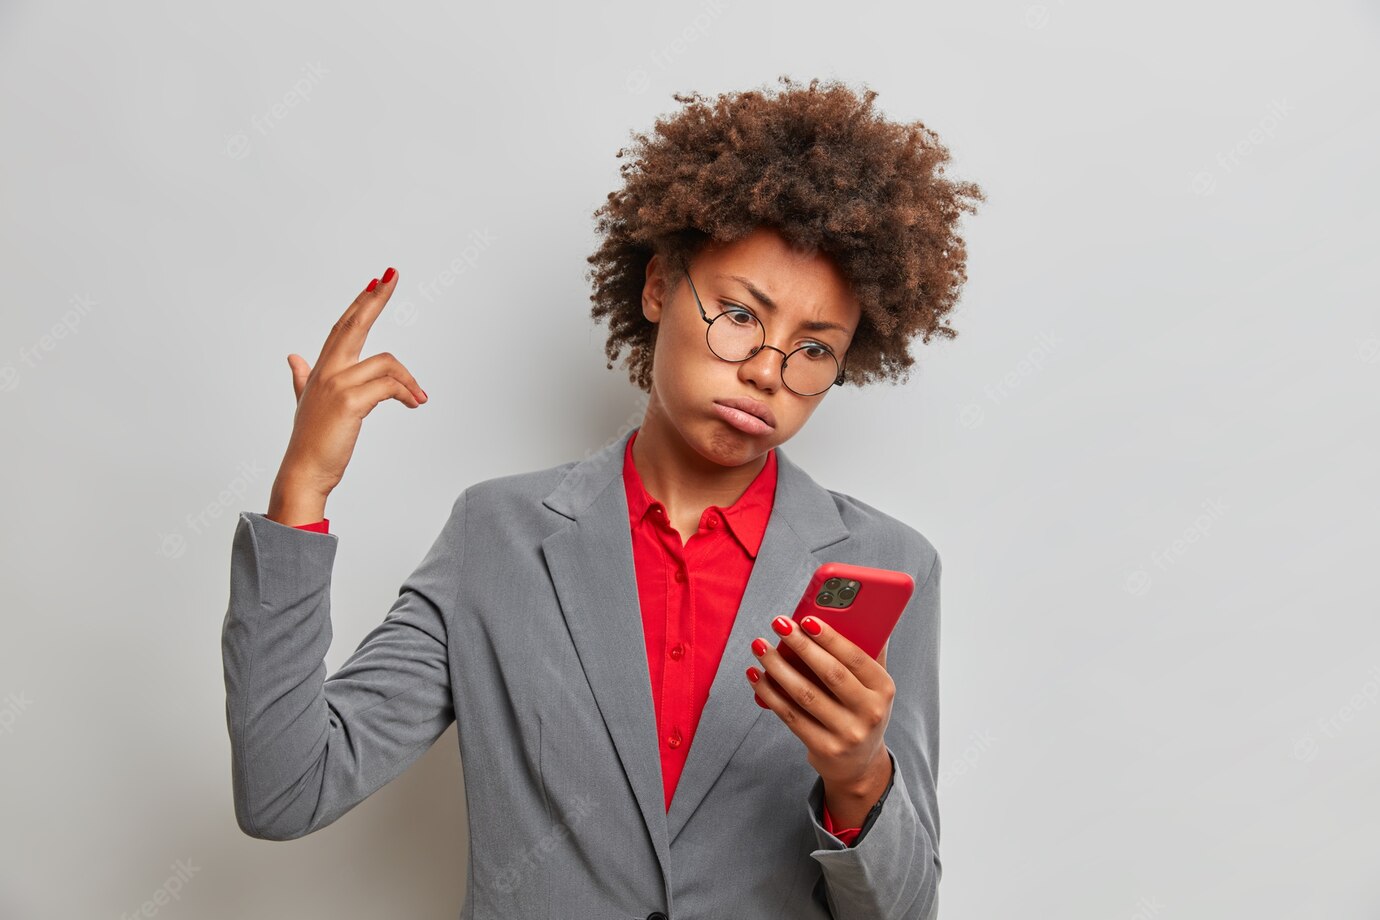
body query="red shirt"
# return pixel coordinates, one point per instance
(689, 593)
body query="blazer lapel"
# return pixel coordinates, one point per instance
(803, 520)
(592, 569)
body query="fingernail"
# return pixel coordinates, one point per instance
(372, 284)
(754, 675)
(811, 626)
(388, 275)
(424, 396)
(759, 647)
(781, 625)
(759, 702)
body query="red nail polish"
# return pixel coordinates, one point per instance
(372, 284)
(811, 626)
(759, 646)
(388, 275)
(781, 625)
(753, 675)
(759, 702)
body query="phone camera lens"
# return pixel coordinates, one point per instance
(831, 584)
(847, 593)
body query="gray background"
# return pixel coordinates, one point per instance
(1143, 458)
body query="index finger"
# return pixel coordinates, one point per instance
(869, 672)
(346, 339)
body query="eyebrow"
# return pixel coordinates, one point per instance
(814, 325)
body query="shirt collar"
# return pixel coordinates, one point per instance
(746, 518)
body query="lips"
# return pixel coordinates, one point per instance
(751, 407)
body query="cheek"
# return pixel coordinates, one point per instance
(685, 364)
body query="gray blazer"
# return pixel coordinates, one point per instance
(522, 625)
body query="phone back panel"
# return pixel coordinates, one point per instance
(878, 599)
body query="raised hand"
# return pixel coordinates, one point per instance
(333, 397)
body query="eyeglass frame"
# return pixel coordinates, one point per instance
(784, 356)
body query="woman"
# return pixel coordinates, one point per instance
(583, 624)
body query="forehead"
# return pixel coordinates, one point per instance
(802, 285)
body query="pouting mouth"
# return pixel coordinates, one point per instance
(752, 407)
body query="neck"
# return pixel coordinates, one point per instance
(678, 476)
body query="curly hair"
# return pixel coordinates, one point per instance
(819, 166)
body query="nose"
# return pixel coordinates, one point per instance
(757, 376)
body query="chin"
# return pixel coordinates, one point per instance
(728, 446)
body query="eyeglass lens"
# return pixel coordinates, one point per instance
(736, 335)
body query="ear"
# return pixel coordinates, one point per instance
(654, 288)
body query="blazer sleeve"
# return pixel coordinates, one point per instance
(306, 748)
(892, 871)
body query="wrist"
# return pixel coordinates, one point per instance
(850, 801)
(293, 503)
(871, 784)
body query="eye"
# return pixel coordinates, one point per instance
(744, 318)
(740, 316)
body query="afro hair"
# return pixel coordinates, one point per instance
(818, 165)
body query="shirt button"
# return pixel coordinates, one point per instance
(713, 522)
(674, 738)
(680, 576)
(678, 651)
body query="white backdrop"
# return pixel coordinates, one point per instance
(1143, 459)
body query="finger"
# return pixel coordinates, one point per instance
(346, 339)
(380, 365)
(801, 723)
(805, 693)
(866, 670)
(833, 674)
(363, 398)
(301, 370)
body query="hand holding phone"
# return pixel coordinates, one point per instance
(862, 603)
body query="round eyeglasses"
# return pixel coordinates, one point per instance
(742, 335)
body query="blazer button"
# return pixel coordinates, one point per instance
(657, 915)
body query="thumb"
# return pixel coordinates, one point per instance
(300, 371)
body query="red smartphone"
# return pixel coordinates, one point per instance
(862, 603)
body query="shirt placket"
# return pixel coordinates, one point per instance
(678, 680)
